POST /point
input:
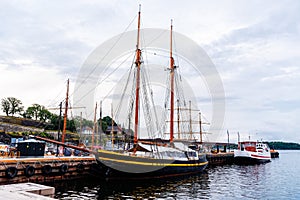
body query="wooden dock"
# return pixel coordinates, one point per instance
(44, 169)
(52, 169)
(215, 159)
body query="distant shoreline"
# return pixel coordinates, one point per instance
(18, 124)
(284, 145)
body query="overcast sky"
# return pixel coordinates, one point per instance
(255, 46)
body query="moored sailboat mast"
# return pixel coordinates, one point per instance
(172, 67)
(94, 127)
(137, 89)
(150, 158)
(66, 114)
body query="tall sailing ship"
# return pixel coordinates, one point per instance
(151, 158)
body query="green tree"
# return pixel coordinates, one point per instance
(107, 121)
(54, 120)
(83, 121)
(16, 106)
(37, 112)
(5, 106)
(71, 125)
(11, 105)
(33, 111)
(44, 115)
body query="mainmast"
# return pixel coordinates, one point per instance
(172, 67)
(137, 88)
(178, 120)
(65, 115)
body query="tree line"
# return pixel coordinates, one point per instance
(284, 145)
(12, 106)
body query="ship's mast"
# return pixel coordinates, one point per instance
(137, 88)
(178, 119)
(94, 127)
(112, 128)
(200, 126)
(100, 122)
(172, 67)
(190, 113)
(65, 115)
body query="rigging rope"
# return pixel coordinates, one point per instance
(146, 103)
(166, 102)
(92, 89)
(99, 62)
(124, 90)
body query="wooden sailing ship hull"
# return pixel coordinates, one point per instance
(116, 166)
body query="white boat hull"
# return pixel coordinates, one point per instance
(249, 157)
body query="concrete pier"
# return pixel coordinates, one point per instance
(26, 191)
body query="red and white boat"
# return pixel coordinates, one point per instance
(251, 152)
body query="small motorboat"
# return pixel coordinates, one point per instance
(251, 152)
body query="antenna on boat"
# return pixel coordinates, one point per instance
(172, 87)
(228, 140)
(239, 145)
(137, 87)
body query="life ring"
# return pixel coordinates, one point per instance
(80, 167)
(29, 171)
(47, 169)
(11, 172)
(63, 168)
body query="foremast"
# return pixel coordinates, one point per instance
(172, 68)
(137, 88)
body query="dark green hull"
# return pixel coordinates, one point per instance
(119, 166)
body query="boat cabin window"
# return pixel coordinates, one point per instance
(191, 154)
(242, 147)
(172, 154)
(248, 146)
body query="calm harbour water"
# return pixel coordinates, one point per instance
(279, 179)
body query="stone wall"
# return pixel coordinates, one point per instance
(7, 127)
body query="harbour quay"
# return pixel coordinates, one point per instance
(26, 191)
(45, 169)
(53, 169)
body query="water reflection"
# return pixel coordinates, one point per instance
(278, 179)
(176, 188)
